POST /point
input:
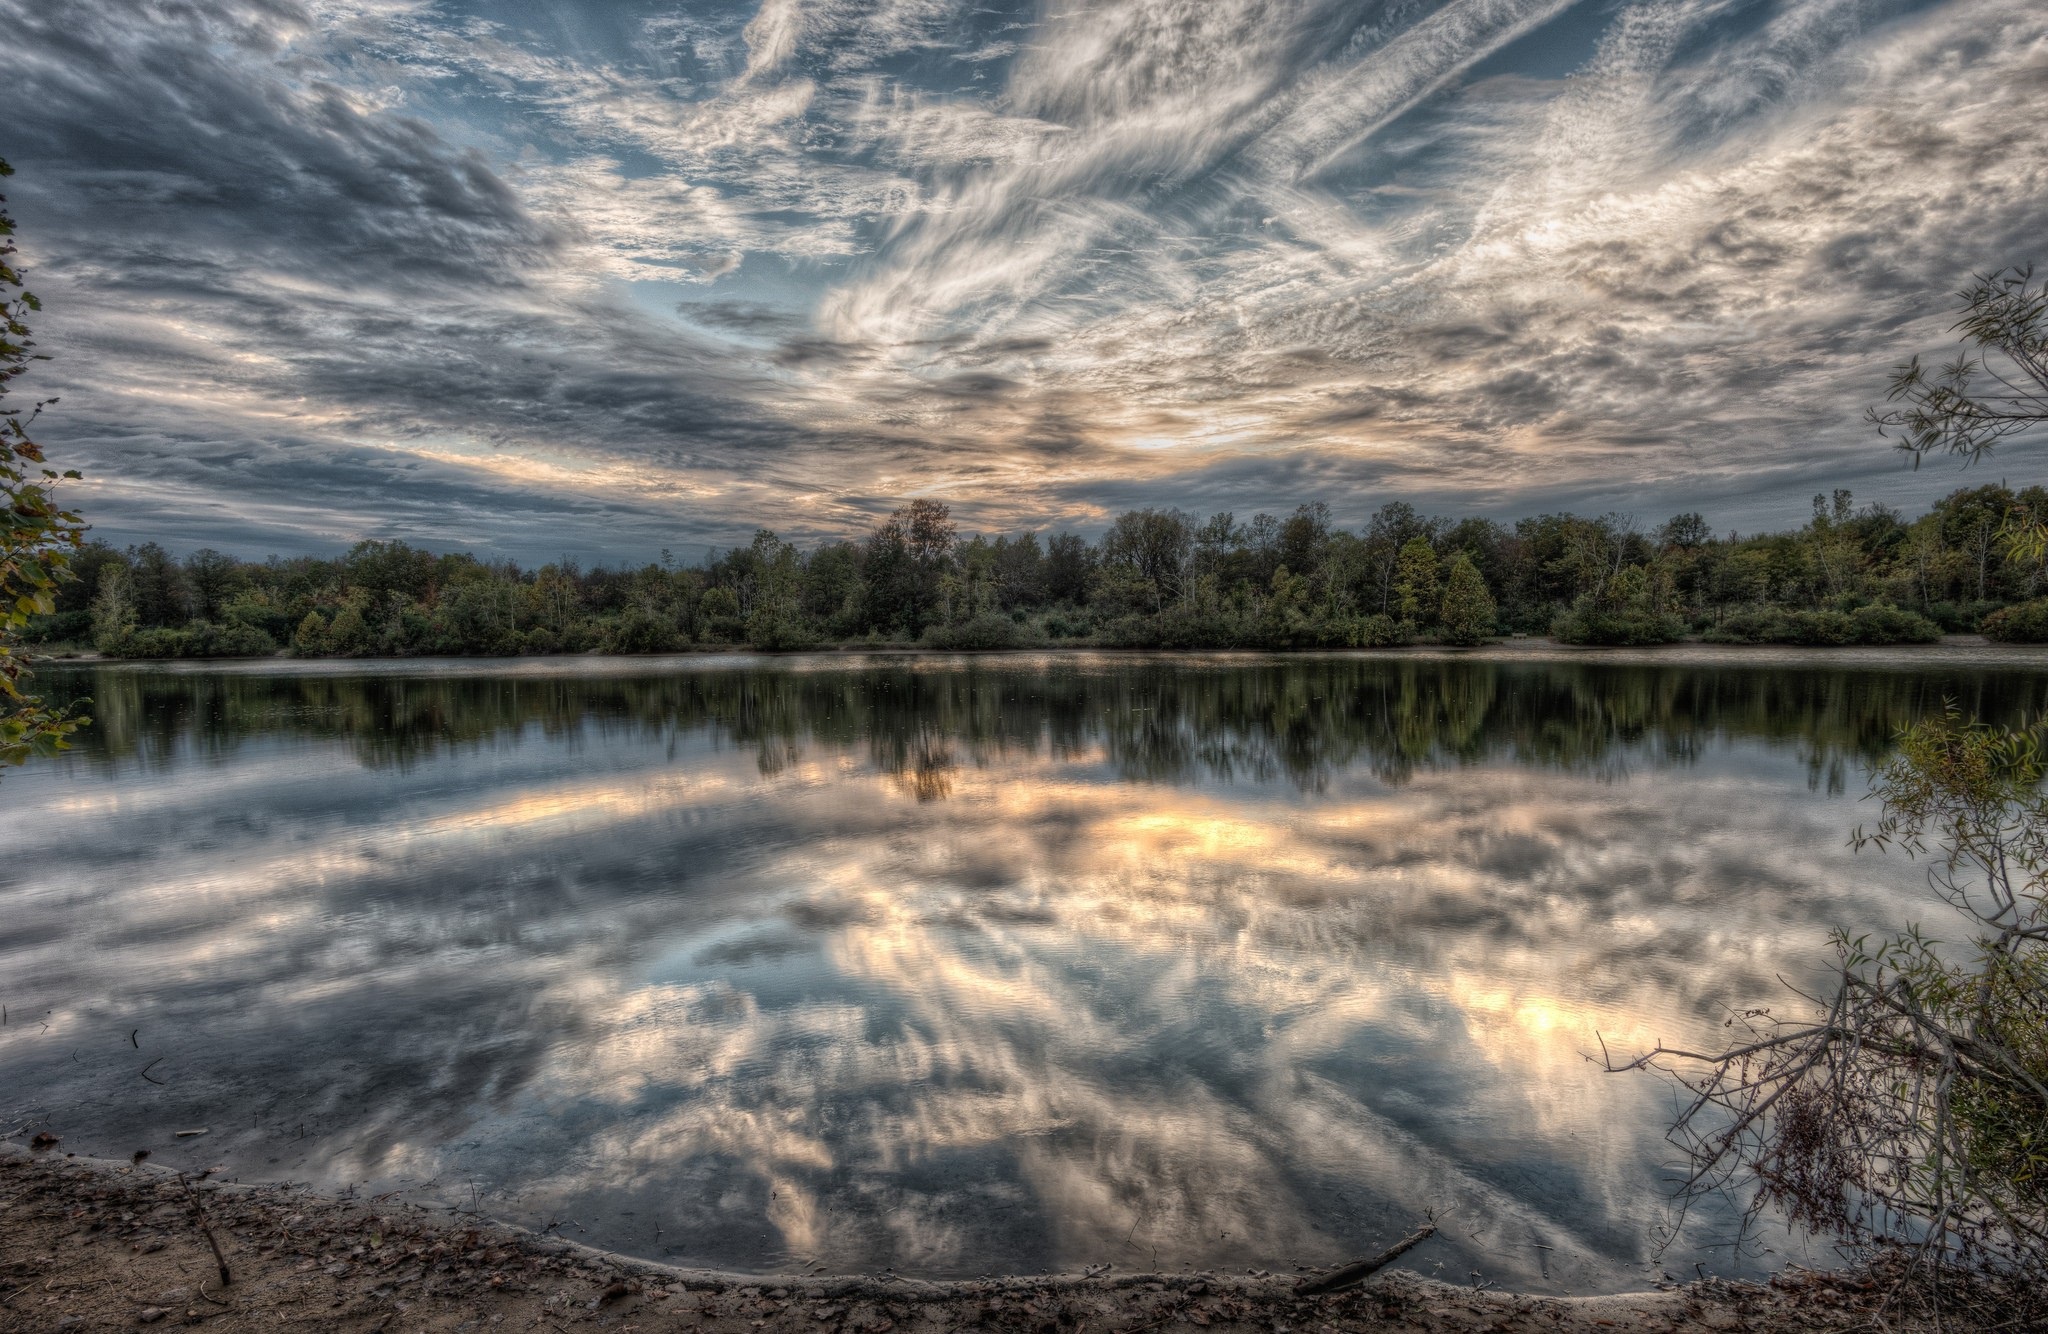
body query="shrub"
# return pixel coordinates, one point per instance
(1065, 625)
(1881, 623)
(157, 643)
(203, 640)
(2026, 623)
(1376, 631)
(59, 628)
(989, 630)
(1960, 618)
(1586, 624)
(641, 630)
(1875, 624)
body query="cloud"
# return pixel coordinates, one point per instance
(774, 264)
(1156, 961)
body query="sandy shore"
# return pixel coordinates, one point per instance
(93, 1245)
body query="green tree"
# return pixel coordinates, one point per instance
(37, 535)
(349, 635)
(1467, 614)
(113, 611)
(1415, 580)
(775, 620)
(310, 639)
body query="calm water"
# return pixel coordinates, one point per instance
(942, 964)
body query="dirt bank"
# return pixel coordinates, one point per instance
(88, 1245)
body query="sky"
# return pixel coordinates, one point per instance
(602, 277)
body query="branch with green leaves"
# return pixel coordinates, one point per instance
(37, 534)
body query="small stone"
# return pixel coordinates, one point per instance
(150, 1315)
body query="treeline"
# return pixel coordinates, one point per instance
(1156, 579)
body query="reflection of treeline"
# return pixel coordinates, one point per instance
(1300, 719)
(1157, 578)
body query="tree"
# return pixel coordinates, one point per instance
(1415, 576)
(310, 639)
(775, 618)
(1685, 531)
(113, 611)
(1155, 546)
(37, 536)
(1068, 562)
(213, 577)
(1304, 538)
(1468, 611)
(1913, 1101)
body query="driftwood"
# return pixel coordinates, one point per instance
(1343, 1276)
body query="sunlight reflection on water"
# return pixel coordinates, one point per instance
(943, 964)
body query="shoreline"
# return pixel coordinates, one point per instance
(92, 1244)
(1968, 651)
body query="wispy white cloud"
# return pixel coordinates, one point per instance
(1046, 261)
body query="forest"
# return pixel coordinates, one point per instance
(1156, 578)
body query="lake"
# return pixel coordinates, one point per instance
(953, 965)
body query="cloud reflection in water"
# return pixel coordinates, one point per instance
(937, 965)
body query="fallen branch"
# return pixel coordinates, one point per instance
(1359, 1270)
(199, 1214)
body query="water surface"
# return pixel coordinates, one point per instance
(944, 964)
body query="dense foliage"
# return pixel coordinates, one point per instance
(37, 536)
(1156, 578)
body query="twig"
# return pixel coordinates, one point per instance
(199, 1214)
(1358, 1270)
(145, 1073)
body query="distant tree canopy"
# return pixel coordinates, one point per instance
(37, 535)
(1155, 578)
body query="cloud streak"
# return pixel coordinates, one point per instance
(633, 278)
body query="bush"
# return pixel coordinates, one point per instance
(1960, 618)
(59, 628)
(989, 630)
(1376, 631)
(1881, 623)
(1129, 632)
(2026, 623)
(149, 644)
(1584, 624)
(778, 631)
(1064, 624)
(640, 630)
(1875, 624)
(227, 641)
(201, 639)
(250, 610)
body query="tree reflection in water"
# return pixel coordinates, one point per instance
(943, 964)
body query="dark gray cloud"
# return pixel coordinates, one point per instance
(622, 278)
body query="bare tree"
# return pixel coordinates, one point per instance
(1909, 1110)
